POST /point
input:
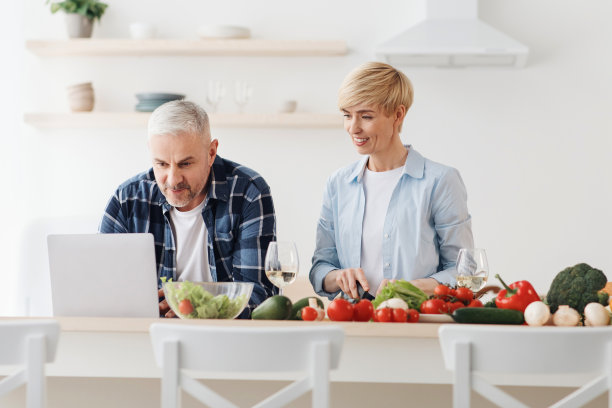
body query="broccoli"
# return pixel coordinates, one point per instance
(577, 286)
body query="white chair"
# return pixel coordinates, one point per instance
(28, 344)
(472, 351)
(312, 350)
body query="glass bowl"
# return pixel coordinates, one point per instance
(207, 300)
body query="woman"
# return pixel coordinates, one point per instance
(394, 214)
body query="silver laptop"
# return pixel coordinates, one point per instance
(103, 275)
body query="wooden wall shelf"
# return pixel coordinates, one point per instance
(171, 47)
(116, 120)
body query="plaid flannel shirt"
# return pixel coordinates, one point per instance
(238, 213)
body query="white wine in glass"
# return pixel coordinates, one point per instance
(281, 264)
(472, 268)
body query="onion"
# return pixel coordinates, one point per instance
(394, 303)
(595, 314)
(537, 314)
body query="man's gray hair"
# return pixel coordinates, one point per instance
(178, 117)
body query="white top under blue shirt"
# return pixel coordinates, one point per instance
(426, 223)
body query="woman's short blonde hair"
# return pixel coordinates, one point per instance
(378, 84)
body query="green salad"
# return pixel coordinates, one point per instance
(204, 304)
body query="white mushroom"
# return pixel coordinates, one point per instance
(595, 314)
(537, 314)
(566, 316)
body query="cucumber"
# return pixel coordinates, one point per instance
(487, 315)
(296, 310)
(277, 307)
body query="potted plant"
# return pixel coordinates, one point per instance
(80, 15)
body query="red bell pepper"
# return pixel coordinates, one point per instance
(516, 296)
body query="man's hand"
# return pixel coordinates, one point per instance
(346, 280)
(164, 309)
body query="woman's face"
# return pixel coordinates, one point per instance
(370, 129)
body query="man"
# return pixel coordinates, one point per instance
(394, 214)
(212, 219)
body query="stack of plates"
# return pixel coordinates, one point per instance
(148, 102)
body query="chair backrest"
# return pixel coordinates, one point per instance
(312, 351)
(14, 334)
(473, 351)
(542, 349)
(245, 349)
(28, 344)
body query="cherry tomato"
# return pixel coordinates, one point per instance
(452, 292)
(413, 316)
(399, 316)
(185, 307)
(340, 310)
(452, 306)
(434, 306)
(475, 303)
(442, 290)
(363, 311)
(309, 313)
(383, 315)
(465, 294)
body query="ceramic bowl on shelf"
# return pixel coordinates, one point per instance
(148, 102)
(207, 31)
(207, 300)
(81, 97)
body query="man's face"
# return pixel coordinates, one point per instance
(181, 164)
(370, 129)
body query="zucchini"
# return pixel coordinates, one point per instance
(487, 315)
(296, 310)
(277, 307)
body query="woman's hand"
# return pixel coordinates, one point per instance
(346, 280)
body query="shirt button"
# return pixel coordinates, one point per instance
(386, 235)
(387, 264)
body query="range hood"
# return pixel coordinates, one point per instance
(452, 35)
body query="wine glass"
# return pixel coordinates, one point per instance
(281, 264)
(216, 92)
(244, 91)
(472, 268)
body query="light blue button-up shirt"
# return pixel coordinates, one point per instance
(426, 224)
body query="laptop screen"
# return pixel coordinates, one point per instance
(103, 275)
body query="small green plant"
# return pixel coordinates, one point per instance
(92, 9)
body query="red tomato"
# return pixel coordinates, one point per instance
(434, 306)
(413, 316)
(475, 303)
(442, 290)
(363, 311)
(399, 316)
(383, 315)
(452, 306)
(452, 292)
(340, 310)
(185, 307)
(309, 313)
(465, 294)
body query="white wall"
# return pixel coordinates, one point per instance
(532, 145)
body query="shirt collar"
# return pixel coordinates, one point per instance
(414, 166)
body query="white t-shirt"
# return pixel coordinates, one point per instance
(378, 188)
(190, 235)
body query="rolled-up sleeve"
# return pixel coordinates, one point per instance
(325, 258)
(452, 222)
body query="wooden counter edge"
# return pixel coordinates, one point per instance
(141, 325)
